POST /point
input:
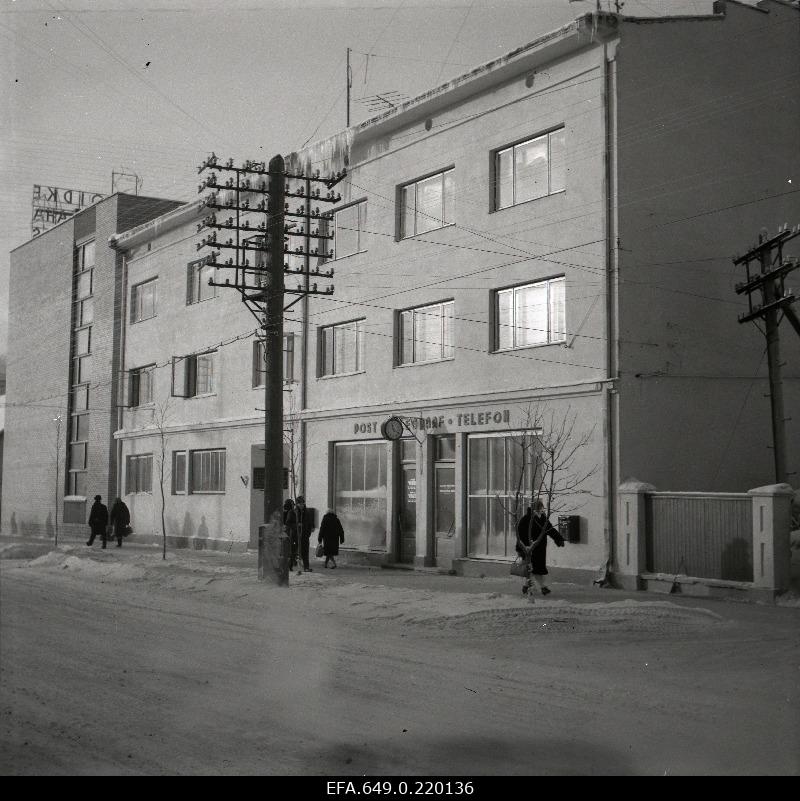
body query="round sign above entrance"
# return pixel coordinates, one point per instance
(392, 429)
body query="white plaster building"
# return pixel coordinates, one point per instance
(552, 229)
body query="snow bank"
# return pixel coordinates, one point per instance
(498, 614)
(90, 568)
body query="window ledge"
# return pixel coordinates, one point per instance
(430, 231)
(335, 257)
(340, 375)
(422, 364)
(144, 319)
(560, 343)
(285, 382)
(204, 395)
(525, 202)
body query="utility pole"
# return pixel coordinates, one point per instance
(349, 84)
(255, 199)
(770, 280)
(273, 359)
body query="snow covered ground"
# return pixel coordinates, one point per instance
(116, 661)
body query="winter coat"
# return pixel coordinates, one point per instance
(290, 521)
(539, 553)
(305, 521)
(98, 519)
(120, 518)
(331, 534)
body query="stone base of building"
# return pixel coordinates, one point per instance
(482, 568)
(191, 543)
(77, 534)
(667, 584)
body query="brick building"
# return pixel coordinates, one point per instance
(64, 340)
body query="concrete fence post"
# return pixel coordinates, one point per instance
(631, 550)
(772, 514)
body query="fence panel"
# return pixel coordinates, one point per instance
(698, 534)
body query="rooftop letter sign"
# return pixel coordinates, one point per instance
(53, 204)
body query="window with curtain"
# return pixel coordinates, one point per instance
(427, 204)
(342, 348)
(348, 230)
(207, 471)
(529, 170)
(426, 333)
(532, 314)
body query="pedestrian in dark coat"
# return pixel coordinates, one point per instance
(290, 524)
(305, 525)
(98, 520)
(532, 533)
(120, 520)
(331, 534)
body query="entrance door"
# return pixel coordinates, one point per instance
(257, 477)
(445, 509)
(407, 515)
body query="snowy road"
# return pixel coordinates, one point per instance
(138, 667)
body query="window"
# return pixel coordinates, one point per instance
(361, 493)
(80, 427)
(144, 298)
(529, 170)
(342, 348)
(427, 204)
(81, 369)
(80, 398)
(84, 257)
(141, 385)
(84, 286)
(77, 455)
(83, 337)
(84, 312)
(259, 365)
(77, 482)
(498, 466)
(193, 375)
(198, 275)
(426, 333)
(348, 230)
(139, 474)
(179, 472)
(207, 471)
(533, 314)
(198, 374)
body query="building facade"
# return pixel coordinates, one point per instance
(64, 348)
(532, 259)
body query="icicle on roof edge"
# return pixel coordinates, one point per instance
(328, 156)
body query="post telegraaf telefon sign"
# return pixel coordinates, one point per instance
(53, 204)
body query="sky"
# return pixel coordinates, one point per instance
(91, 87)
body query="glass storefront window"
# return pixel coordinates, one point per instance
(361, 493)
(501, 475)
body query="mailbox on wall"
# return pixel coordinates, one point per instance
(569, 527)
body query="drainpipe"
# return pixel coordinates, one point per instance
(121, 398)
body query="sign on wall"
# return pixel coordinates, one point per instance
(53, 204)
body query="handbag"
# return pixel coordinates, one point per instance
(520, 567)
(320, 550)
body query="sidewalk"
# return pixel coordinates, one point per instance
(426, 580)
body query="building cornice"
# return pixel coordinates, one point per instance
(413, 408)
(145, 232)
